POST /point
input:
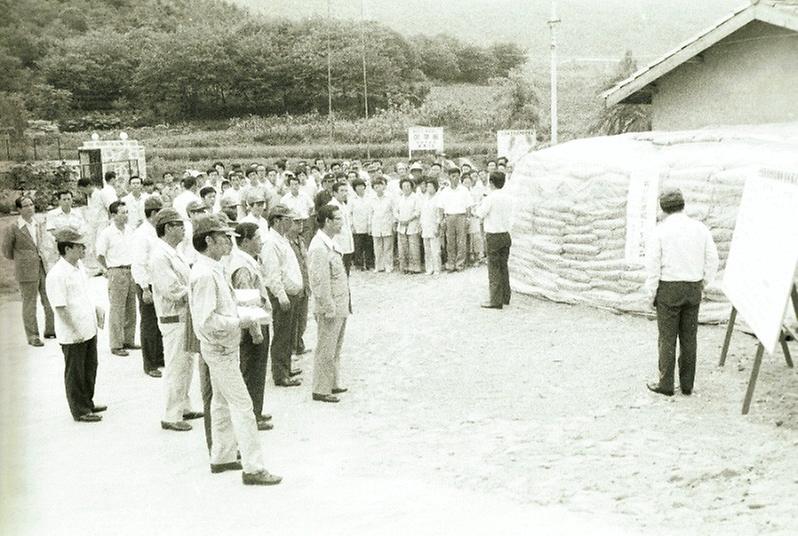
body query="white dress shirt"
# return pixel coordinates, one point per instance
(114, 245)
(108, 195)
(282, 274)
(681, 249)
(455, 200)
(344, 239)
(300, 203)
(56, 219)
(360, 208)
(382, 220)
(135, 209)
(182, 200)
(141, 245)
(70, 296)
(496, 210)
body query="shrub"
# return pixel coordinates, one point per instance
(40, 180)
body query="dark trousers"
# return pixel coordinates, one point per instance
(363, 257)
(253, 366)
(282, 339)
(150, 335)
(300, 323)
(80, 373)
(677, 304)
(347, 258)
(207, 395)
(498, 245)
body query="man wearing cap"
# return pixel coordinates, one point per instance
(217, 326)
(24, 244)
(256, 204)
(170, 275)
(114, 256)
(496, 211)
(456, 202)
(682, 260)
(283, 279)
(330, 288)
(76, 322)
(194, 210)
(142, 243)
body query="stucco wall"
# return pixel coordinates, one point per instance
(750, 77)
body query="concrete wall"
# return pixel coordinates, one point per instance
(750, 77)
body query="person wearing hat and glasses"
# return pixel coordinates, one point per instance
(76, 321)
(682, 260)
(218, 327)
(283, 279)
(24, 244)
(143, 241)
(170, 274)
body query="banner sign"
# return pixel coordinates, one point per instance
(641, 213)
(425, 139)
(513, 144)
(763, 257)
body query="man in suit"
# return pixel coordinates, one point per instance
(23, 243)
(330, 288)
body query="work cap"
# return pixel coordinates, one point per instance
(280, 210)
(195, 206)
(255, 195)
(152, 202)
(212, 224)
(69, 234)
(167, 215)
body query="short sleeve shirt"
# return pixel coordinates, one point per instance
(68, 289)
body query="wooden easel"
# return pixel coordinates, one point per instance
(760, 350)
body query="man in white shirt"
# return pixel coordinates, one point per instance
(456, 202)
(134, 201)
(344, 238)
(300, 204)
(142, 244)
(496, 211)
(682, 260)
(114, 256)
(185, 197)
(283, 279)
(360, 205)
(76, 322)
(256, 204)
(110, 191)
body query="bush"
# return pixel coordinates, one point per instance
(102, 121)
(40, 180)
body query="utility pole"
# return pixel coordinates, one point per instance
(365, 83)
(329, 74)
(553, 22)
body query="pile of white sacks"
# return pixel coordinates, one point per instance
(570, 231)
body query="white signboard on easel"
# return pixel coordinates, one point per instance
(424, 139)
(641, 212)
(513, 144)
(763, 257)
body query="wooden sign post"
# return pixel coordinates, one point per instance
(759, 279)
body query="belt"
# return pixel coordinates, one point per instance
(458, 214)
(127, 267)
(174, 319)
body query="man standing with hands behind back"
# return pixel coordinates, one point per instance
(330, 289)
(682, 260)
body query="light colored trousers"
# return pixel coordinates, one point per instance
(232, 419)
(122, 314)
(409, 252)
(30, 291)
(456, 234)
(383, 253)
(432, 255)
(178, 369)
(327, 358)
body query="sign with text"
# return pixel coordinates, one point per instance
(513, 144)
(425, 139)
(641, 212)
(763, 257)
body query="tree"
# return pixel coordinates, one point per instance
(621, 118)
(506, 57)
(476, 65)
(518, 101)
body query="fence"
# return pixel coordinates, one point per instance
(36, 148)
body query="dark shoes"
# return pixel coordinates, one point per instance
(154, 373)
(655, 388)
(120, 352)
(264, 417)
(222, 467)
(289, 383)
(264, 426)
(131, 346)
(490, 306)
(325, 398)
(35, 341)
(89, 417)
(339, 390)
(49, 335)
(176, 426)
(190, 415)
(261, 478)
(687, 392)
(98, 409)
(296, 372)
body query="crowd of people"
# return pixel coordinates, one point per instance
(223, 265)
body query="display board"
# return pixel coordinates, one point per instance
(763, 257)
(642, 203)
(424, 139)
(513, 144)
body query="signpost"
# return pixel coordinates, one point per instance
(424, 139)
(513, 144)
(641, 213)
(760, 272)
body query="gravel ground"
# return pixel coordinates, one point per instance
(530, 419)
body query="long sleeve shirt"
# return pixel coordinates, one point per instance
(407, 211)
(282, 274)
(344, 239)
(169, 276)
(681, 249)
(141, 245)
(246, 273)
(213, 308)
(361, 213)
(430, 216)
(382, 220)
